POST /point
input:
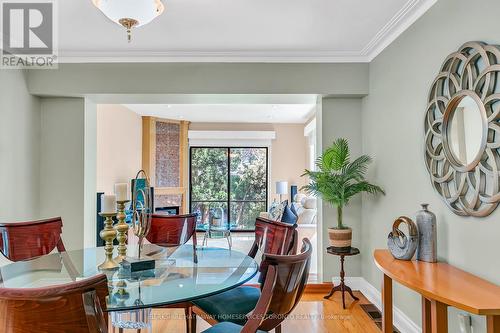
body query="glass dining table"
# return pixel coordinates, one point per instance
(175, 279)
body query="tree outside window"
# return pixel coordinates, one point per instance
(234, 179)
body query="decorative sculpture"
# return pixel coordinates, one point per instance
(401, 246)
(142, 209)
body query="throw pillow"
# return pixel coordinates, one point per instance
(293, 209)
(276, 211)
(288, 215)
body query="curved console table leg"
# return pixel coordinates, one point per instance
(493, 324)
(439, 317)
(426, 315)
(387, 305)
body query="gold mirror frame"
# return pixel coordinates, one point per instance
(472, 189)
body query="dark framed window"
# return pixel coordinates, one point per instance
(232, 178)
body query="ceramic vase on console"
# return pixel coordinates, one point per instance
(427, 244)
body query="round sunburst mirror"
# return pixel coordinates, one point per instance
(462, 130)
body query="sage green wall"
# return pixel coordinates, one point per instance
(19, 148)
(62, 165)
(42, 157)
(200, 78)
(90, 173)
(341, 118)
(393, 115)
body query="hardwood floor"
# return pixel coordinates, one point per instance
(313, 314)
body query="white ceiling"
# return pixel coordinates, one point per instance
(228, 113)
(240, 30)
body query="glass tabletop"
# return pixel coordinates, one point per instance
(175, 279)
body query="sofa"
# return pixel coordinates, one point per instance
(306, 208)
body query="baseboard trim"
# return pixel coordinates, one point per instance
(312, 288)
(401, 320)
(318, 288)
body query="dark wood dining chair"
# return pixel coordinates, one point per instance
(75, 307)
(274, 237)
(172, 231)
(271, 237)
(28, 240)
(282, 289)
(21, 241)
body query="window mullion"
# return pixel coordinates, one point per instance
(229, 187)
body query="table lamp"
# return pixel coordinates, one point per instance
(281, 188)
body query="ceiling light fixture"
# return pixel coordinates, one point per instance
(130, 13)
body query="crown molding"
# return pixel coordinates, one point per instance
(404, 18)
(401, 21)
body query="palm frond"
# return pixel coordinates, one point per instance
(357, 169)
(363, 186)
(320, 164)
(338, 154)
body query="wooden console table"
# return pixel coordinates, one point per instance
(441, 285)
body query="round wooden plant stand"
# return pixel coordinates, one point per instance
(342, 287)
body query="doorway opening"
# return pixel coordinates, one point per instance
(206, 152)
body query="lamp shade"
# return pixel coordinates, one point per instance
(281, 187)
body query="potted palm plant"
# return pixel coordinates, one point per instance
(336, 181)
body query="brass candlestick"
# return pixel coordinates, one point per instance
(122, 231)
(108, 234)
